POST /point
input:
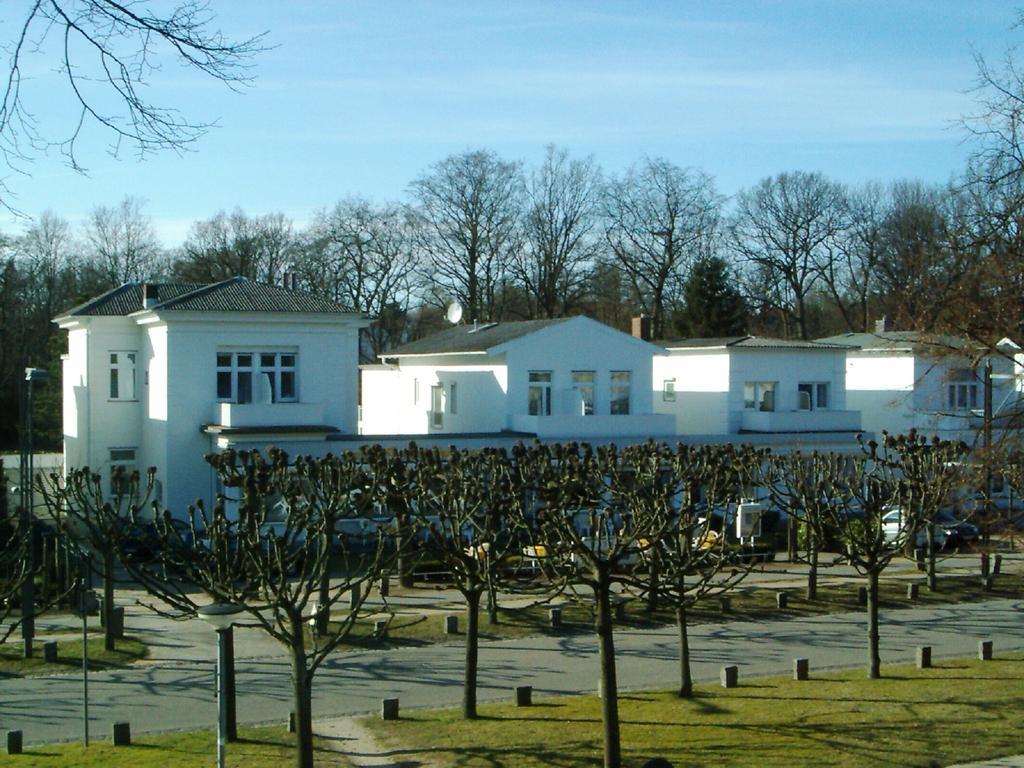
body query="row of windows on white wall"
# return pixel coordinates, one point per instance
(760, 395)
(539, 392)
(256, 377)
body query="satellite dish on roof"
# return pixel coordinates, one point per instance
(454, 313)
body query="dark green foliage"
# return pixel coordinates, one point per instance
(712, 305)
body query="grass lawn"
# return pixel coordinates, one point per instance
(256, 748)
(748, 603)
(69, 656)
(957, 711)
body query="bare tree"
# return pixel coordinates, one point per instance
(15, 539)
(105, 53)
(558, 233)
(660, 218)
(786, 230)
(469, 211)
(281, 571)
(122, 243)
(230, 245)
(363, 256)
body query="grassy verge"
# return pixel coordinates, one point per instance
(955, 712)
(256, 748)
(69, 656)
(748, 603)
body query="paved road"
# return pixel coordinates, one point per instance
(172, 695)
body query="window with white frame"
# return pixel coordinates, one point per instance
(759, 395)
(538, 395)
(962, 390)
(583, 383)
(453, 398)
(813, 395)
(620, 392)
(437, 406)
(668, 390)
(122, 375)
(122, 465)
(239, 375)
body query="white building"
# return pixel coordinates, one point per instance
(903, 380)
(162, 374)
(571, 378)
(789, 392)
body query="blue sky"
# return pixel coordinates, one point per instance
(359, 98)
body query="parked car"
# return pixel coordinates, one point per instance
(959, 533)
(893, 530)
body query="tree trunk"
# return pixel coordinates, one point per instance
(812, 571)
(933, 583)
(874, 660)
(108, 601)
(685, 677)
(609, 686)
(653, 576)
(492, 604)
(302, 698)
(323, 598)
(404, 564)
(472, 653)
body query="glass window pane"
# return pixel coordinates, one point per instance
(245, 361)
(223, 385)
(267, 361)
(244, 387)
(287, 385)
(113, 383)
(749, 398)
(540, 376)
(223, 359)
(287, 361)
(113, 358)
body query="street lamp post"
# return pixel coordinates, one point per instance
(26, 471)
(221, 616)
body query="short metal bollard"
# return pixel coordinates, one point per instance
(862, 595)
(380, 629)
(725, 604)
(117, 621)
(385, 585)
(355, 596)
(555, 617)
(451, 625)
(984, 565)
(801, 669)
(291, 722)
(50, 651)
(14, 742)
(620, 610)
(524, 695)
(919, 554)
(986, 584)
(389, 709)
(730, 676)
(924, 656)
(912, 591)
(997, 564)
(781, 599)
(985, 650)
(121, 734)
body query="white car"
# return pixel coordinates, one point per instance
(893, 530)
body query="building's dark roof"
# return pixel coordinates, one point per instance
(237, 294)
(895, 340)
(747, 342)
(467, 338)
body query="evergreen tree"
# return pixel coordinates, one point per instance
(712, 305)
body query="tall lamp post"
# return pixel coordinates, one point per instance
(221, 616)
(27, 470)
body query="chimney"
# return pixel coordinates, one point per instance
(288, 281)
(885, 325)
(642, 327)
(150, 295)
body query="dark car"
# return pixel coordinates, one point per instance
(959, 532)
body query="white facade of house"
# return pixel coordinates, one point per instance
(902, 381)
(754, 386)
(574, 378)
(162, 387)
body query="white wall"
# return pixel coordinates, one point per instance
(389, 408)
(702, 387)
